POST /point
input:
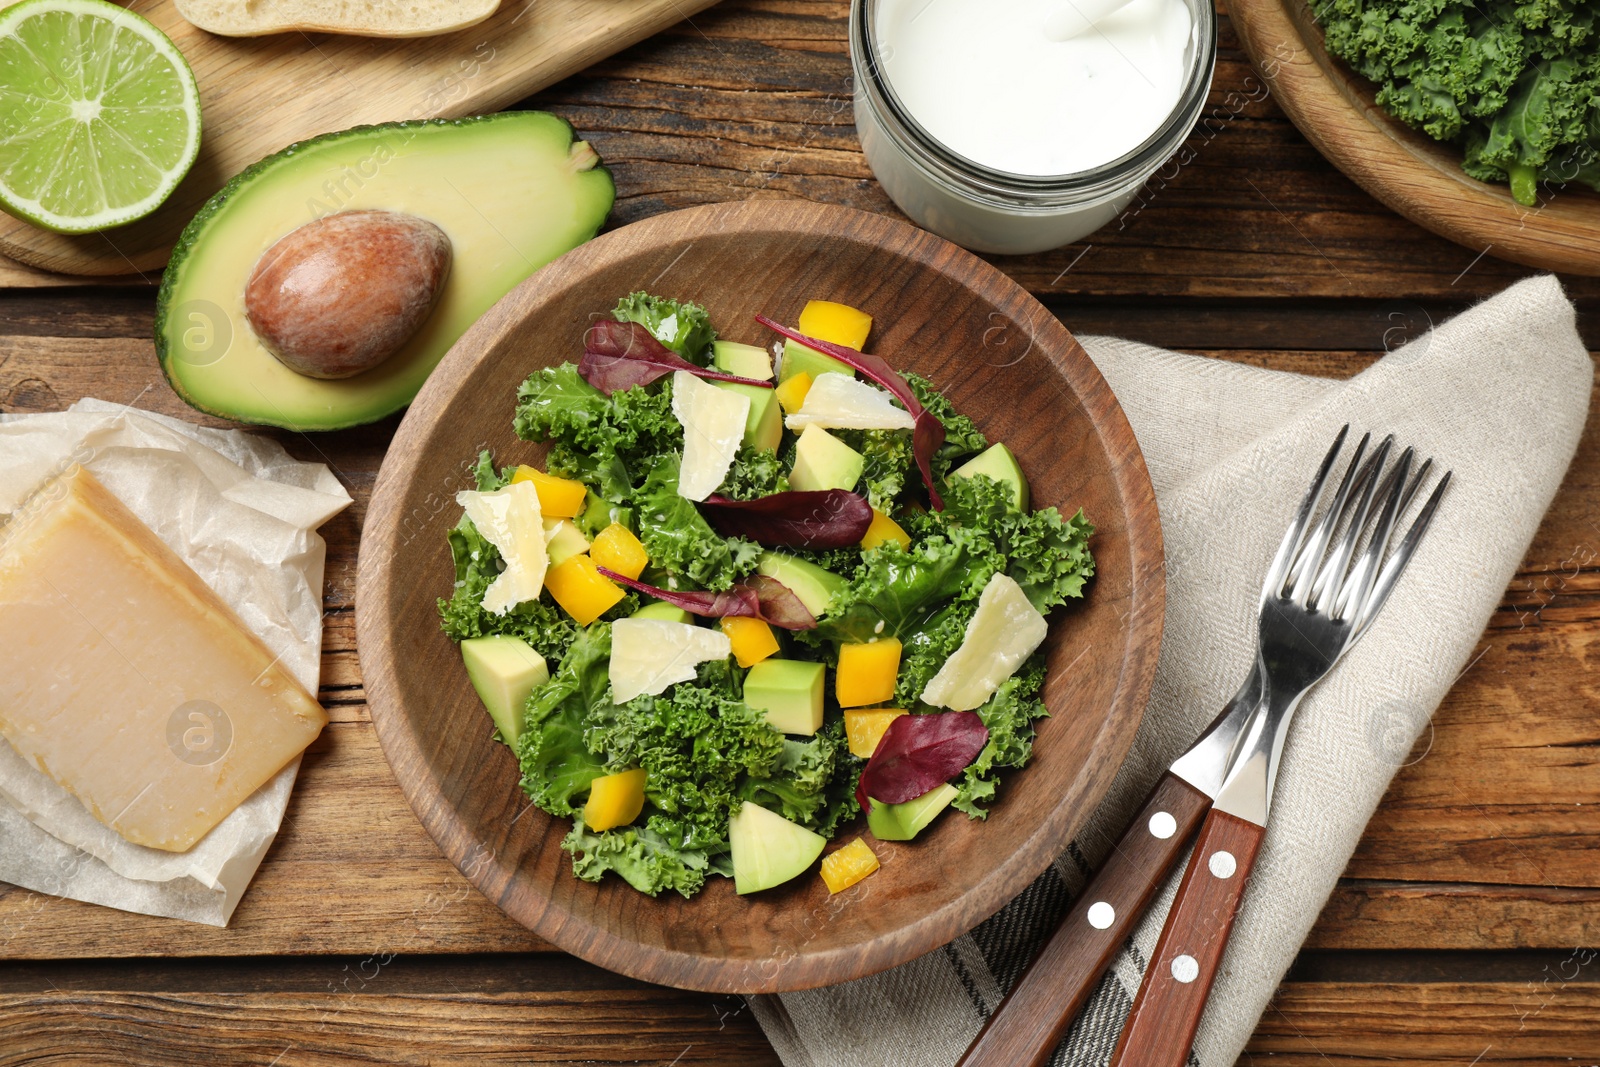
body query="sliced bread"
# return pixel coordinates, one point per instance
(372, 18)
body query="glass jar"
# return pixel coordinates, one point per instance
(989, 210)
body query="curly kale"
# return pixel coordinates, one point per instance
(681, 326)
(1514, 83)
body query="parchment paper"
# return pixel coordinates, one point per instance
(244, 514)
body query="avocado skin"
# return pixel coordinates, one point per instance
(196, 227)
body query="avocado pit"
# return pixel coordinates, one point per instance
(340, 295)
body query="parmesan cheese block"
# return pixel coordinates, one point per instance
(127, 680)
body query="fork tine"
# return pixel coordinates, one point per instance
(1354, 590)
(1366, 564)
(1303, 572)
(1385, 582)
(1297, 528)
(1330, 579)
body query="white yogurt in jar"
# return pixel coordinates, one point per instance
(990, 126)
(989, 81)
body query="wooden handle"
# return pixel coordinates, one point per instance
(1025, 1029)
(1161, 1028)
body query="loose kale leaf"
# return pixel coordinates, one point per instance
(605, 442)
(644, 858)
(557, 763)
(1009, 716)
(683, 327)
(678, 538)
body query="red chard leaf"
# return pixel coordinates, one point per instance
(830, 518)
(621, 355)
(757, 597)
(919, 753)
(928, 435)
(779, 605)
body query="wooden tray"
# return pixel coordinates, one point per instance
(1001, 357)
(1410, 172)
(260, 94)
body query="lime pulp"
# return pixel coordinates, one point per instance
(99, 115)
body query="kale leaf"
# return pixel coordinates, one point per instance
(681, 326)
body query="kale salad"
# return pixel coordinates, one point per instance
(753, 592)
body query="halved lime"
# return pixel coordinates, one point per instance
(99, 115)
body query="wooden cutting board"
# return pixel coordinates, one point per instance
(260, 94)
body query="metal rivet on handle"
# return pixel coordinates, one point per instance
(1102, 915)
(1185, 969)
(1163, 825)
(1223, 864)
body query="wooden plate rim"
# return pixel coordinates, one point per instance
(598, 945)
(1408, 172)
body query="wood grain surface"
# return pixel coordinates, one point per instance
(1459, 930)
(1410, 172)
(998, 356)
(261, 94)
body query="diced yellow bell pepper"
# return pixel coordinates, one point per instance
(752, 639)
(839, 323)
(559, 498)
(580, 588)
(867, 672)
(847, 866)
(865, 727)
(614, 800)
(792, 393)
(616, 549)
(883, 530)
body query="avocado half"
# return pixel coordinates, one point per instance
(513, 191)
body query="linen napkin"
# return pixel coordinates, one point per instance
(1499, 394)
(244, 514)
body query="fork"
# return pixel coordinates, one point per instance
(1315, 604)
(1025, 1028)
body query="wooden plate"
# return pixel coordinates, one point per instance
(940, 311)
(1410, 172)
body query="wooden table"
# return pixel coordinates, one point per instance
(1458, 935)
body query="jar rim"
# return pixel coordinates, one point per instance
(1148, 155)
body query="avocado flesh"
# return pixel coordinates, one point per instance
(563, 540)
(797, 357)
(512, 191)
(660, 609)
(768, 849)
(504, 671)
(822, 461)
(789, 691)
(998, 462)
(746, 361)
(812, 584)
(902, 822)
(763, 427)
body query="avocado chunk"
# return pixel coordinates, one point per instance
(822, 461)
(998, 463)
(768, 849)
(763, 427)
(504, 670)
(812, 584)
(797, 357)
(598, 513)
(902, 822)
(451, 173)
(660, 609)
(789, 691)
(745, 361)
(563, 540)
